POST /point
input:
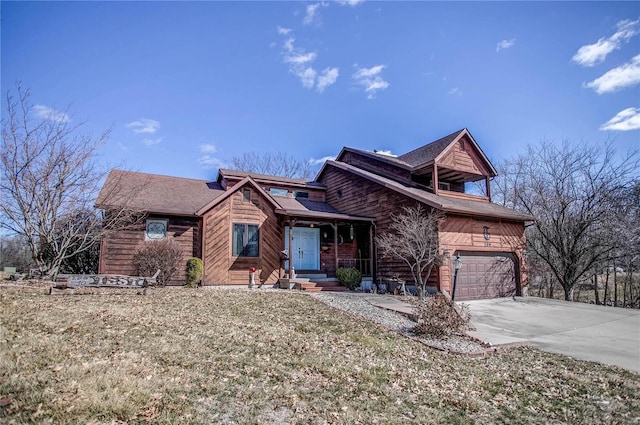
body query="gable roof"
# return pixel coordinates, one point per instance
(443, 203)
(241, 184)
(434, 151)
(156, 193)
(429, 152)
(394, 160)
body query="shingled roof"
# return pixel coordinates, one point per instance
(430, 152)
(443, 203)
(313, 209)
(226, 173)
(155, 193)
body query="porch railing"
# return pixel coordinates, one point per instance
(361, 264)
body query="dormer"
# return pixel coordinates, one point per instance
(447, 164)
(273, 185)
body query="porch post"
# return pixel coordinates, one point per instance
(435, 178)
(290, 253)
(335, 242)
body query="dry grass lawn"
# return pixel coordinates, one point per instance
(249, 357)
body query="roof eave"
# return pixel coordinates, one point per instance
(320, 215)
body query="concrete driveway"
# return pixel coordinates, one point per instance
(584, 331)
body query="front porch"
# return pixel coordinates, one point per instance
(315, 249)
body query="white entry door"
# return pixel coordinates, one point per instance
(305, 251)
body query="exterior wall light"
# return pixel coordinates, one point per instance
(457, 265)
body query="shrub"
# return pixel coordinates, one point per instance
(164, 255)
(194, 272)
(436, 316)
(349, 277)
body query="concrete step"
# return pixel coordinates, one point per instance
(325, 289)
(332, 285)
(312, 276)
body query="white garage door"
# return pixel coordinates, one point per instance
(486, 275)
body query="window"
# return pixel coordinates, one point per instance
(444, 186)
(246, 195)
(278, 192)
(246, 240)
(299, 194)
(155, 230)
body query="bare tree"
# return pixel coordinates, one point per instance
(273, 164)
(14, 253)
(48, 183)
(571, 190)
(414, 239)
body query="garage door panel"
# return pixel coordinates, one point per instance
(486, 276)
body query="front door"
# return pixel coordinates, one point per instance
(305, 251)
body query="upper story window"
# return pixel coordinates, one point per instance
(275, 191)
(300, 194)
(246, 195)
(444, 186)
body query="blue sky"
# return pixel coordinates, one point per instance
(188, 86)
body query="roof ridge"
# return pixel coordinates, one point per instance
(160, 175)
(455, 133)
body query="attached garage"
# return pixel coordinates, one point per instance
(487, 275)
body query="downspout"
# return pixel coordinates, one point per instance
(373, 248)
(371, 242)
(335, 243)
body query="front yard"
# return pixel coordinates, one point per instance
(239, 356)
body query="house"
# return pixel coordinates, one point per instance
(243, 220)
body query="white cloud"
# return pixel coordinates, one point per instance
(144, 125)
(352, 3)
(50, 114)
(596, 53)
(307, 77)
(322, 160)
(300, 64)
(505, 44)
(283, 31)
(618, 78)
(300, 58)
(371, 79)
(312, 15)
(327, 78)
(207, 148)
(288, 44)
(386, 153)
(626, 120)
(368, 72)
(151, 142)
(455, 91)
(209, 162)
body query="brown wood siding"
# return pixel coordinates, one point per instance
(118, 248)
(377, 167)
(363, 197)
(459, 233)
(221, 267)
(463, 157)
